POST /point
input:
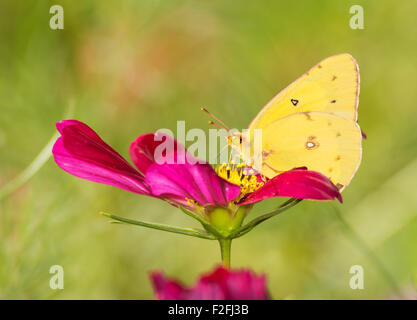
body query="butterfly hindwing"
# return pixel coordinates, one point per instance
(319, 141)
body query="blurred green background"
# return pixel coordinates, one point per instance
(131, 67)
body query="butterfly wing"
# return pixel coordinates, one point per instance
(331, 86)
(319, 141)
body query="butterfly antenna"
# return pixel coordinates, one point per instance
(276, 171)
(217, 125)
(221, 125)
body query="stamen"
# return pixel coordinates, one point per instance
(190, 202)
(237, 174)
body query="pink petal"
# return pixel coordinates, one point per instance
(224, 284)
(296, 183)
(166, 289)
(142, 150)
(221, 284)
(82, 153)
(198, 182)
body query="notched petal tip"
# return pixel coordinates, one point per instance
(155, 147)
(339, 198)
(82, 153)
(61, 125)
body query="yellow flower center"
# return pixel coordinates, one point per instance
(238, 174)
(190, 202)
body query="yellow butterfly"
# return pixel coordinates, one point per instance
(312, 123)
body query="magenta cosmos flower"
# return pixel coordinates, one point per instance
(219, 199)
(221, 284)
(81, 152)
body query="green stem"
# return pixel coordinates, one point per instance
(225, 250)
(185, 231)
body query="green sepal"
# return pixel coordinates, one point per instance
(204, 222)
(252, 224)
(185, 231)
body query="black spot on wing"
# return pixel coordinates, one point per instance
(294, 102)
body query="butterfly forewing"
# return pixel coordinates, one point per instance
(331, 86)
